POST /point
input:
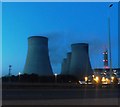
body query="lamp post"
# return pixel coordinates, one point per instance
(19, 75)
(9, 74)
(10, 68)
(55, 77)
(110, 57)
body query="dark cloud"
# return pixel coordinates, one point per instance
(60, 44)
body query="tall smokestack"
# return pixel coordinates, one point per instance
(64, 67)
(80, 63)
(37, 61)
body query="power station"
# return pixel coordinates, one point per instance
(78, 62)
(37, 60)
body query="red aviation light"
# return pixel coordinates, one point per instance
(106, 60)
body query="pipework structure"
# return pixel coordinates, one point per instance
(37, 60)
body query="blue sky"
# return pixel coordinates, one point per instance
(63, 23)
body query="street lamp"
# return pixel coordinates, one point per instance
(9, 74)
(19, 75)
(10, 68)
(110, 42)
(55, 77)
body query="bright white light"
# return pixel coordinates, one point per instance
(114, 71)
(86, 78)
(80, 82)
(104, 73)
(112, 78)
(55, 74)
(97, 78)
(19, 73)
(103, 79)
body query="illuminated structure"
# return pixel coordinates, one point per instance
(37, 61)
(80, 63)
(105, 60)
(106, 72)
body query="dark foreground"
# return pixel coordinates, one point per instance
(40, 95)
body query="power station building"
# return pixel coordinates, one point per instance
(106, 72)
(37, 60)
(78, 62)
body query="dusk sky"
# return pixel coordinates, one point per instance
(63, 23)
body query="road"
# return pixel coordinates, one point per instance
(60, 96)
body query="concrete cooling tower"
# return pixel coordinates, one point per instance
(63, 67)
(66, 64)
(80, 63)
(37, 60)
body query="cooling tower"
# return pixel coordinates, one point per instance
(64, 67)
(37, 57)
(80, 63)
(68, 62)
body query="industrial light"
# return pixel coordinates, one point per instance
(107, 79)
(104, 73)
(80, 82)
(112, 78)
(103, 79)
(86, 79)
(93, 76)
(96, 79)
